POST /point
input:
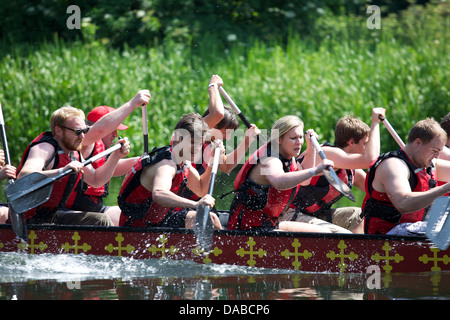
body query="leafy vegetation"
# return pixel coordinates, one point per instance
(342, 67)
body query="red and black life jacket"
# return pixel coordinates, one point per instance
(319, 195)
(259, 206)
(85, 197)
(135, 201)
(62, 188)
(380, 214)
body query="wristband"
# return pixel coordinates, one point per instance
(60, 170)
(212, 84)
(313, 172)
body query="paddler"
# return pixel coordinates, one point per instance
(401, 184)
(6, 172)
(268, 181)
(355, 148)
(56, 151)
(86, 197)
(152, 192)
(222, 123)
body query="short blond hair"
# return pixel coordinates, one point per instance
(283, 125)
(60, 116)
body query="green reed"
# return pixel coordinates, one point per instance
(350, 70)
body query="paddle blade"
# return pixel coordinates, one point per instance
(18, 224)
(203, 228)
(338, 184)
(22, 196)
(438, 225)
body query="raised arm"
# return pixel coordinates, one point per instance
(347, 160)
(109, 122)
(216, 109)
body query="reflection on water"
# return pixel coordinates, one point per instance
(79, 277)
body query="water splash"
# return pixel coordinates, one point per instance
(23, 267)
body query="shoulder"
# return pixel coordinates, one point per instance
(394, 166)
(42, 149)
(333, 151)
(270, 166)
(271, 161)
(164, 167)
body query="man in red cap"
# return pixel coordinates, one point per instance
(95, 115)
(86, 197)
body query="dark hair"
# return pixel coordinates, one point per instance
(229, 120)
(194, 124)
(445, 123)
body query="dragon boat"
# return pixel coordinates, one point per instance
(303, 252)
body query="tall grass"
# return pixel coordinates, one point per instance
(350, 70)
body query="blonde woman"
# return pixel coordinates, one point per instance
(269, 180)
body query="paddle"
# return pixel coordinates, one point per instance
(234, 106)
(17, 219)
(331, 176)
(438, 226)
(34, 189)
(392, 131)
(145, 127)
(237, 110)
(203, 228)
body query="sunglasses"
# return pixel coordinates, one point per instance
(77, 131)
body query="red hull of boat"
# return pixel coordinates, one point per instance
(337, 253)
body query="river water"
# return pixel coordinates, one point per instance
(84, 277)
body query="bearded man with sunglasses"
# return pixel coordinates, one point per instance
(85, 197)
(52, 153)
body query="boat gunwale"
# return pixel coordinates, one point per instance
(224, 232)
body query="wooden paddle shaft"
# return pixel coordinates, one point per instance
(234, 106)
(392, 131)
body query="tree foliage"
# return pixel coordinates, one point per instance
(149, 22)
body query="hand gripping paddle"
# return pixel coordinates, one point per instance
(331, 176)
